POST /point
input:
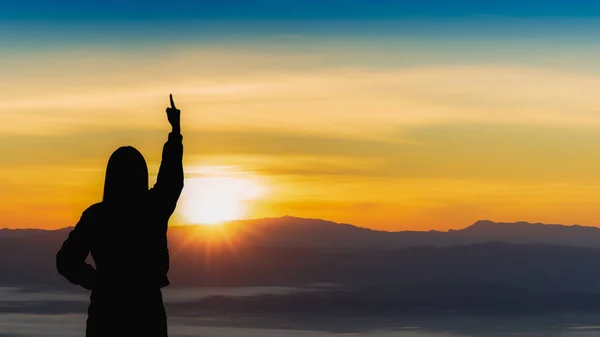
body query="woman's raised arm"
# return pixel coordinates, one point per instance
(169, 182)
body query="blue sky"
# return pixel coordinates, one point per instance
(37, 23)
(290, 9)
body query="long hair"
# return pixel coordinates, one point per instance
(126, 175)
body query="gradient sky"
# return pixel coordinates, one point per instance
(387, 114)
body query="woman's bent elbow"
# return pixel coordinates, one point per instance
(62, 266)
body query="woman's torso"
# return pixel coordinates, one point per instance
(129, 245)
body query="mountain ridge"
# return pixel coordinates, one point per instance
(476, 224)
(291, 231)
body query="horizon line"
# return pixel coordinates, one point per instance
(330, 221)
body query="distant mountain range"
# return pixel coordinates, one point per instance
(300, 232)
(290, 231)
(552, 264)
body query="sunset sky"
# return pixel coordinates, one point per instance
(394, 115)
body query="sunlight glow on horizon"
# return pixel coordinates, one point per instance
(218, 196)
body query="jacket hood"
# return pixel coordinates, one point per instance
(126, 175)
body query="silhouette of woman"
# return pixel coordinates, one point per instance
(126, 235)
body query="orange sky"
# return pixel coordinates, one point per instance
(311, 133)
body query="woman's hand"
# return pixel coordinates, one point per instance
(173, 115)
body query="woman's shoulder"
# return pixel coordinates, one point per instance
(94, 210)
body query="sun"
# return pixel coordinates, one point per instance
(218, 196)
